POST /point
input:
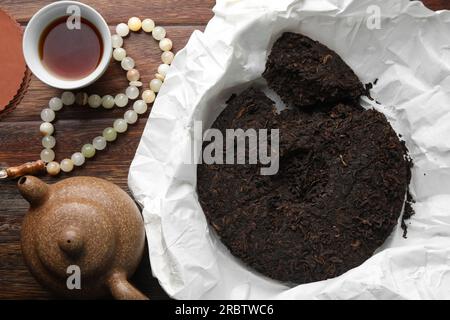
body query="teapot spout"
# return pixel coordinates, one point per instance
(34, 190)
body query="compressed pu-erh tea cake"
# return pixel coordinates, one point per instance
(305, 73)
(342, 180)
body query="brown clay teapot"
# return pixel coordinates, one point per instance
(84, 222)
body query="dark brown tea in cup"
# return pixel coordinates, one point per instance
(71, 54)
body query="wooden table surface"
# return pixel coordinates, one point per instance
(20, 138)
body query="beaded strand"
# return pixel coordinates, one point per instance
(121, 100)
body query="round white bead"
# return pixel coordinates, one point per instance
(122, 30)
(88, 151)
(99, 143)
(47, 129)
(95, 101)
(117, 41)
(163, 69)
(148, 25)
(47, 155)
(166, 44)
(78, 159)
(133, 75)
(108, 102)
(167, 57)
(130, 117)
(53, 168)
(140, 107)
(155, 85)
(68, 98)
(55, 104)
(134, 24)
(48, 142)
(127, 63)
(159, 33)
(148, 96)
(119, 54)
(121, 100)
(67, 165)
(120, 125)
(110, 134)
(132, 92)
(160, 77)
(48, 115)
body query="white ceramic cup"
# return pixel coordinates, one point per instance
(34, 31)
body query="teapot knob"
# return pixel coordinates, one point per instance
(71, 241)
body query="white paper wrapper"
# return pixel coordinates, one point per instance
(410, 55)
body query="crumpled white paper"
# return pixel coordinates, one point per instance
(410, 55)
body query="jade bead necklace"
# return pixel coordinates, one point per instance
(121, 100)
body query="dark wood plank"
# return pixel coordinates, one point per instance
(112, 164)
(164, 12)
(20, 140)
(140, 46)
(71, 135)
(15, 280)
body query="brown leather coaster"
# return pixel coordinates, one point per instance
(13, 71)
(18, 98)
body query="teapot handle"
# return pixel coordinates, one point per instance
(121, 289)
